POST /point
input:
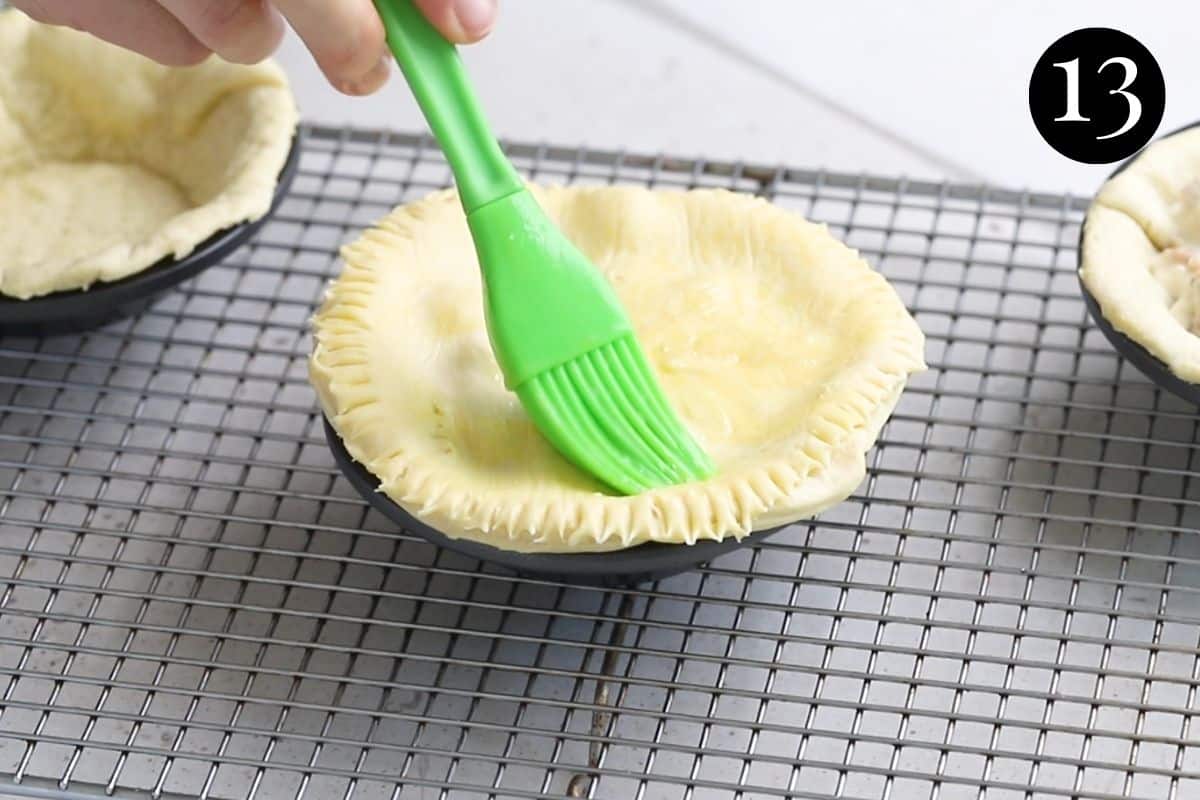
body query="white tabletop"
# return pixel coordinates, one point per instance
(927, 88)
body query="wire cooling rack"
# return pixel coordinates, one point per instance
(193, 602)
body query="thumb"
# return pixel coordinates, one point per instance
(460, 21)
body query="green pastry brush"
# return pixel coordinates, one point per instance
(565, 345)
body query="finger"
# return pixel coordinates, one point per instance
(461, 21)
(139, 25)
(346, 38)
(242, 31)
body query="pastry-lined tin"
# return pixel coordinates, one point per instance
(83, 309)
(1147, 363)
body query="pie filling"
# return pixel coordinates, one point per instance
(1177, 267)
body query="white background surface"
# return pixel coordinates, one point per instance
(926, 88)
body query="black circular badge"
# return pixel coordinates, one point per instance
(1097, 95)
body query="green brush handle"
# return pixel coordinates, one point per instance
(435, 73)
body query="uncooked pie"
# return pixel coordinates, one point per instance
(1141, 252)
(110, 163)
(782, 350)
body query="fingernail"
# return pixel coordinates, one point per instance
(373, 81)
(475, 17)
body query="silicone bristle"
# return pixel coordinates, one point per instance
(684, 448)
(605, 412)
(599, 400)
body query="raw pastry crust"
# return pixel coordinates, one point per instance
(783, 351)
(1139, 236)
(110, 163)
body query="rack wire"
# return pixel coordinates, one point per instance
(194, 603)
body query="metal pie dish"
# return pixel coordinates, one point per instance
(84, 309)
(634, 565)
(1146, 362)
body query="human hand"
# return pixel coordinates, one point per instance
(345, 36)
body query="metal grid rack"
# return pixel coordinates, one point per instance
(194, 603)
